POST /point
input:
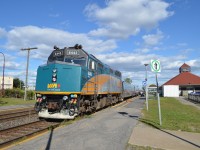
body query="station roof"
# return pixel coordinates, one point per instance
(185, 66)
(184, 78)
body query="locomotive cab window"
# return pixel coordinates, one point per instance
(118, 74)
(92, 65)
(80, 61)
(100, 68)
(111, 71)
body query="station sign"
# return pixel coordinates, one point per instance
(144, 83)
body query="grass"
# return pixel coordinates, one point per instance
(175, 115)
(136, 147)
(14, 101)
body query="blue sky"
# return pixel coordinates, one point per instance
(124, 34)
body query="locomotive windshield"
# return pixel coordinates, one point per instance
(73, 55)
(80, 61)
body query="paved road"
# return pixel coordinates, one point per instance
(109, 129)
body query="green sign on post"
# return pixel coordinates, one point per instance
(155, 66)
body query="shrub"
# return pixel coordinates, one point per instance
(30, 94)
(18, 93)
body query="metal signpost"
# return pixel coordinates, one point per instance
(146, 87)
(155, 67)
(144, 83)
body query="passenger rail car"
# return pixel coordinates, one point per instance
(74, 82)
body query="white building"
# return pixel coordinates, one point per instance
(8, 82)
(181, 84)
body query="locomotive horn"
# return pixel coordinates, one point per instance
(55, 47)
(80, 47)
(76, 46)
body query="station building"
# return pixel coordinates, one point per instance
(182, 84)
(8, 82)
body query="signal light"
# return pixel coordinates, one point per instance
(44, 97)
(54, 75)
(65, 98)
(54, 79)
(54, 70)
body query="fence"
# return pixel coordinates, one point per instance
(194, 97)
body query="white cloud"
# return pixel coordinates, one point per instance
(10, 63)
(142, 50)
(123, 18)
(2, 32)
(132, 65)
(46, 38)
(153, 39)
(125, 61)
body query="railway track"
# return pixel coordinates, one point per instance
(15, 114)
(11, 135)
(12, 118)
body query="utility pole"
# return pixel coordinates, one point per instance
(3, 73)
(27, 64)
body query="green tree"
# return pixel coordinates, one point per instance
(152, 85)
(128, 80)
(17, 83)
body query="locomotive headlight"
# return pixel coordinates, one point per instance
(65, 98)
(54, 75)
(73, 96)
(54, 70)
(54, 79)
(38, 95)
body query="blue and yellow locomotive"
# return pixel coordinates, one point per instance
(74, 82)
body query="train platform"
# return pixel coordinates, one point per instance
(146, 136)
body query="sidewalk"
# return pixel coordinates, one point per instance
(146, 136)
(187, 102)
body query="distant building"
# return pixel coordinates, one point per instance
(152, 89)
(31, 88)
(8, 82)
(181, 84)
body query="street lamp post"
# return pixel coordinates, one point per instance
(27, 64)
(3, 73)
(146, 89)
